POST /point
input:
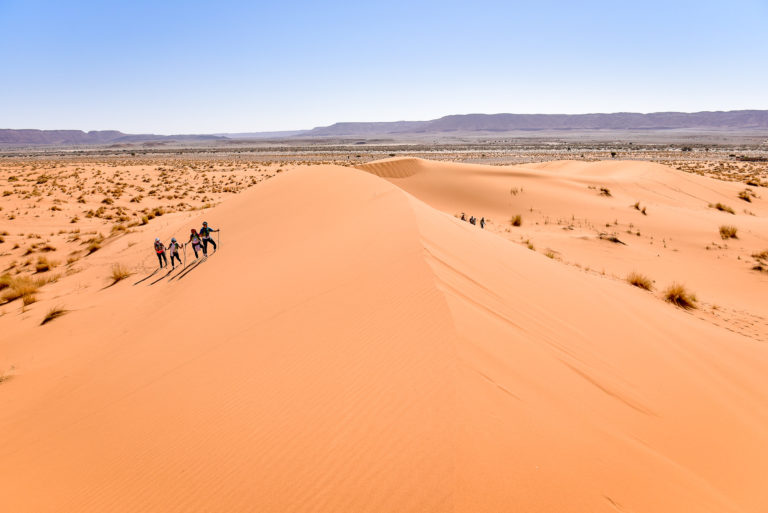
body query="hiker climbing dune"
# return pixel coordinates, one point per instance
(205, 233)
(160, 250)
(198, 240)
(173, 249)
(194, 240)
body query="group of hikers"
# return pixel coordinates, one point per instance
(198, 240)
(473, 220)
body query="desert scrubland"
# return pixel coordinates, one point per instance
(355, 346)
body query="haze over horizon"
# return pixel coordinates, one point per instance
(190, 68)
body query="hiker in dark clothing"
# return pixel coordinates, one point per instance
(482, 223)
(472, 220)
(173, 248)
(160, 250)
(205, 233)
(463, 217)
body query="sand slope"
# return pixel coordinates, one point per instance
(563, 212)
(353, 349)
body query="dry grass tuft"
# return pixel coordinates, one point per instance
(728, 232)
(53, 313)
(611, 238)
(43, 265)
(19, 287)
(678, 295)
(516, 220)
(119, 272)
(722, 208)
(639, 280)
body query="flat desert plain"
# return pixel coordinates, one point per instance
(353, 345)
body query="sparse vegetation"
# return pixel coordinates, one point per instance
(746, 195)
(728, 232)
(53, 313)
(43, 265)
(605, 191)
(721, 207)
(611, 238)
(18, 287)
(516, 220)
(119, 272)
(5, 376)
(94, 244)
(678, 295)
(639, 280)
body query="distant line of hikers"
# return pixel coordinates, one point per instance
(199, 242)
(473, 220)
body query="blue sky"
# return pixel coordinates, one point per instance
(238, 66)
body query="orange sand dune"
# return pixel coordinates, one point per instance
(562, 210)
(352, 349)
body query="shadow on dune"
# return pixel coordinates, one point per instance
(146, 277)
(189, 269)
(162, 277)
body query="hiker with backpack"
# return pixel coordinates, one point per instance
(194, 239)
(160, 250)
(482, 223)
(205, 233)
(173, 248)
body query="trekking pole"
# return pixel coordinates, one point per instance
(218, 237)
(185, 255)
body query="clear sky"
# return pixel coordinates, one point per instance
(239, 66)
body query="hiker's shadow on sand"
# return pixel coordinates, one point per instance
(189, 269)
(162, 277)
(147, 277)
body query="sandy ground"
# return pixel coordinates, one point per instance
(354, 346)
(56, 213)
(665, 224)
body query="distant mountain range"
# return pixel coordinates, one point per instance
(732, 120)
(467, 124)
(78, 137)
